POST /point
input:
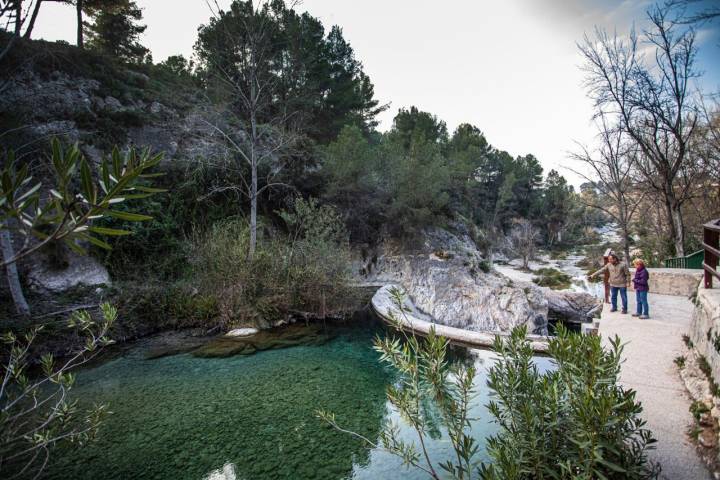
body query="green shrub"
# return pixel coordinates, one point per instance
(697, 408)
(304, 273)
(680, 361)
(553, 278)
(572, 422)
(150, 307)
(707, 370)
(575, 421)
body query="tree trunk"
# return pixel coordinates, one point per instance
(624, 226)
(13, 278)
(253, 208)
(79, 13)
(675, 222)
(679, 224)
(253, 168)
(18, 17)
(31, 25)
(626, 245)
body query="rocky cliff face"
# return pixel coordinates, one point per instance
(446, 278)
(79, 109)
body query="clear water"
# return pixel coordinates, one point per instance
(249, 417)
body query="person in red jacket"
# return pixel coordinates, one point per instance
(640, 283)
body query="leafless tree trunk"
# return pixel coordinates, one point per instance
(79, 15)
(33, 18)
(523, 240)
(8, 252)
(252, 86)
(18, 17)
(653, 103)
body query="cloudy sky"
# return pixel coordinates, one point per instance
(511, 67)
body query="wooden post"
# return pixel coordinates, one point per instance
(606, 275)
(711, 243)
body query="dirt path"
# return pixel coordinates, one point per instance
(651, 346)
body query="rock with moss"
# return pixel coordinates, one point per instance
(552, 278)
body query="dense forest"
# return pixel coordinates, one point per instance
(291, 116)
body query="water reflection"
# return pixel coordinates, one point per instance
(183, 417)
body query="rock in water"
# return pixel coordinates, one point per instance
(242, 332)
(447, 278)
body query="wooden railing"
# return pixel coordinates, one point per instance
(711, 244)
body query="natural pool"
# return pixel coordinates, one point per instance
(249, 417)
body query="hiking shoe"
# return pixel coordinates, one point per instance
(635, 314)
(644, 317)
(613, 310)
(624, 312)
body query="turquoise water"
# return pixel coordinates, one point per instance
(248, 417)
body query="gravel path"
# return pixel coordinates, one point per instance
(651, 346)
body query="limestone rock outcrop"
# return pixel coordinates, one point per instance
(78, 271)
(447, 279)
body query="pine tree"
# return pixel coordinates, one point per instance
(115, 29)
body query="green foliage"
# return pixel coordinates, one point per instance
(384, 185)
(158, 306)
(573, 422)
(553, 278)
(36, 414)
(680, 361)
(114, 30)
(697, 408)
(426, 374)
(413, 126)
(304, 273)
(309, 73)
(707, 370)
(485, 266)
(556, 205)
(160, 248)
(66, 210)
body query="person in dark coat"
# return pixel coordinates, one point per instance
(641, 285)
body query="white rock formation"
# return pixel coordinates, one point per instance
(445, 278)
(242, 332)
(81, 270)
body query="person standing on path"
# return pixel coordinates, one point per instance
(641, 285)
(619, 280)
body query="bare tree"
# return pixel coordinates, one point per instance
(611, 168)
(523, 240)
(653, 103)
(263, 132)
(707, 11)
(19, 12)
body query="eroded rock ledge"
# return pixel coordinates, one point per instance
(446, 279)
(384, 304)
